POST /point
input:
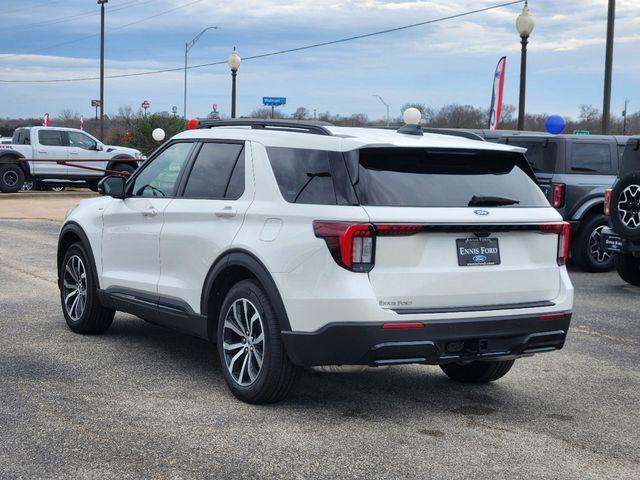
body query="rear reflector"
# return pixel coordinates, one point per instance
(402, 326)
(607, 201)
(563, 230)
(551, 316)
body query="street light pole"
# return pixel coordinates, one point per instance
(608, 66)
(524, 26)
(624, 116)
(101, 3)
(234, 64)
(385, 104)
(188, 46)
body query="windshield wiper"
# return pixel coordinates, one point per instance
(311, 177)
(482, 201)
(584, 169)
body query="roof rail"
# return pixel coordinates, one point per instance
(301, 126)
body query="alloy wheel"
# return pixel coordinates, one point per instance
(595, 249)
(243, 342)
(629, 206)
(74, 288)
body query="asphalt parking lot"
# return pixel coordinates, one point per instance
(144, 402)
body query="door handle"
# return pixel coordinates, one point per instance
(42, 151)
(226, 212)
(150, 212)
(71, 152)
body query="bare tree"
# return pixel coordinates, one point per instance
(301, 113)
(265, 112)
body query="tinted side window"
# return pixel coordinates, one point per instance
(541, 158)
(217, 173)
(52, 138)
(590, 157)
(303, 176)
(160, 177)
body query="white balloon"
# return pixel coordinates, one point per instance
(158, 134)
(412, 116)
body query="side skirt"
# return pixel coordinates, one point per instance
(168, 312)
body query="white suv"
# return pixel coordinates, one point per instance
(296, 244)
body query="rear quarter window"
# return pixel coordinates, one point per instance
(590, 158)
(303, 176)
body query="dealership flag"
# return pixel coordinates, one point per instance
(81, 122)
(496, 98)
(46, 122)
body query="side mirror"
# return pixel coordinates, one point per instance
(113, 186)
(98, 147)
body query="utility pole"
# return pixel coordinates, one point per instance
(624, 116)
(608, 66)
(385, 104)
(101, 3)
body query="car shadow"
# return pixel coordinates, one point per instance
(373, 392)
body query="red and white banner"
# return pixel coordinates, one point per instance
(498, 89)
(46, 121)
(81, 122)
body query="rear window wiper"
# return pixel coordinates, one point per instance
(311, 177)
(482, 201)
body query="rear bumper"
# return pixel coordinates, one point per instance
(438, 342)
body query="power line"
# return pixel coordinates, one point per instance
(68, 18)
(278, 52)
(86, 37)
(22, 9)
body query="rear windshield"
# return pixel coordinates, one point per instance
(413, 177)
(541, 155)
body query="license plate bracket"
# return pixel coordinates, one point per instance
(481, 251)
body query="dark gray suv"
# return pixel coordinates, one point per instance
(574, 171)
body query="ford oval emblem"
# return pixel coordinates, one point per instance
(482, 213)
(479, 258)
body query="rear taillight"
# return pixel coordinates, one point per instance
(350, 244)
(353, 245)
(607, 201)
(563, 230)
(557, 195)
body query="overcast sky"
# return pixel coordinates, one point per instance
(448, 62)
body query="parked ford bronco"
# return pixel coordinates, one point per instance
(623, 205)
(574, 171)
(31, 157)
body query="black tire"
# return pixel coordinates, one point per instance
(93, 317)
(626, 193)
(587, 253)
(11, 178)
(477, 372)
(276, 375)
(628, 268)
(126, 168)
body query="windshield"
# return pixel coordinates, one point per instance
(415, 177)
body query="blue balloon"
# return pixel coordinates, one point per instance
(555, 124)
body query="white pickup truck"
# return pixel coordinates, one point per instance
(32, 153)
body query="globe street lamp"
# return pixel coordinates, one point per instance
(234, 64)
(188, 46)
(524, 26)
